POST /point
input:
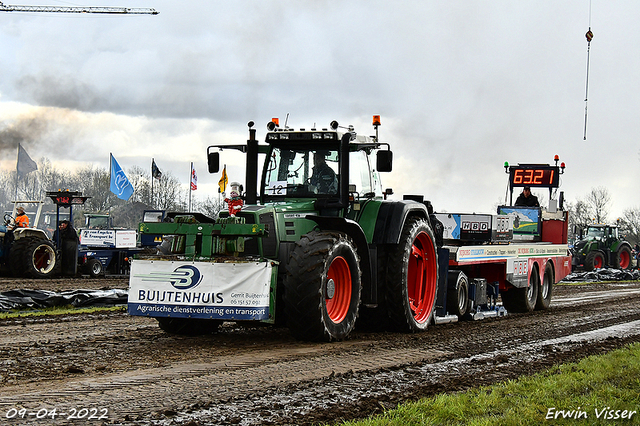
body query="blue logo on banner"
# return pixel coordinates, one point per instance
(185, 277)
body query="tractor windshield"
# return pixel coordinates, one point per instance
(595, 233)
(301, 172)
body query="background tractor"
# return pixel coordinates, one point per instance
(26, 252)
(600, 246)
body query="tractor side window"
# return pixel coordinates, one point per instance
(359, 172)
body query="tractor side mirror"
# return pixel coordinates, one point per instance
(213, 161)
(384, 161)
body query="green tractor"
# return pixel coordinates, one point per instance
(600, 246)
(319, 225)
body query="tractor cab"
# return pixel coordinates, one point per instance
(330, 167)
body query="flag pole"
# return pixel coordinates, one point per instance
(190, 177)
(17, 174)
(153, 206)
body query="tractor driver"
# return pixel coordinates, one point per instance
(22, 220)
(323, 176)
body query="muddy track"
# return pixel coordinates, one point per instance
(129, 370)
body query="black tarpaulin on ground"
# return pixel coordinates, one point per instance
(606, 274)
(38, 299)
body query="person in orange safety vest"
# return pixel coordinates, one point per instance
(22, 220)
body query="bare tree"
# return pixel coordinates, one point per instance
(211, 206)
(598, 200)
(630, 224)
(95, 183)
(168, 195)
(140, 180)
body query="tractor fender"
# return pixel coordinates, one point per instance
(392, 217)
(30, 232)
(355, 232)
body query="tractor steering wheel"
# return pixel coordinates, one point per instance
(8, 219)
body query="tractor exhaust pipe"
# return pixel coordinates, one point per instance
(251, 175)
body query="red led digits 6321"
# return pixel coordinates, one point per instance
(543, 176)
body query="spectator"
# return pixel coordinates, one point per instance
(66, 239)
(527, 199)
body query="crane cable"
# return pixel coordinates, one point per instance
(589, 36)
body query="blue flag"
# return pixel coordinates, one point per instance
(119, 183)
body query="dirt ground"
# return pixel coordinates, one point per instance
(125, 370)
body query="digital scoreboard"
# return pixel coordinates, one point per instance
(534, 175)
(67, 198)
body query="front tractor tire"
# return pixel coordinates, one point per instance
(594, 260)
(33, 257)
(412, 277)
(322, 287)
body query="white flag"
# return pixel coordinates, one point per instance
(25, 163)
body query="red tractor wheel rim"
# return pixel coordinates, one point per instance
(625, 260)
(42, 258)
(598, 262)
(340, 274)
(422, 277)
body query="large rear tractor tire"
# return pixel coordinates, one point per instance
(412, 277)
(458, 294)
(623, 258)
(523, 299)
(33, 257)
(594, 260)
(188, 326)
(546, 289)
(322, 287)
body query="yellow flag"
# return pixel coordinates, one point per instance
(222, 183)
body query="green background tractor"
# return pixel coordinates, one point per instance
(600, 246)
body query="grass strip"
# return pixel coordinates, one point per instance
(598, 390)
(60, 310)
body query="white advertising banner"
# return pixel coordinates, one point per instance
(127, 238)
(226, 291)
(97, 237)
(108, 238)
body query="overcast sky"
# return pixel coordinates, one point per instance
(462, 87)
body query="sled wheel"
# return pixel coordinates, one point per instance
(32, 258)
(546, 289)
(188, 326)
(594, 260)
(412, 277)
(523, 299)
(458, 294)
(623, 258)
(94, 268)
(322, 287)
